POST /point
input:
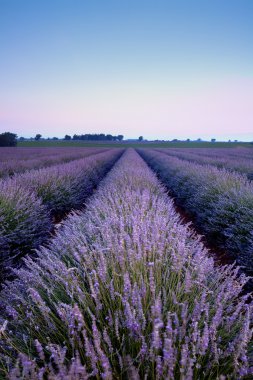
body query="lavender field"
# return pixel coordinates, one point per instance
(101, 275)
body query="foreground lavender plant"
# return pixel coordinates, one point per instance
(125, 291)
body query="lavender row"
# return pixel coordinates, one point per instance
(220, 201)
(124, 291)
(13, 161)
(223, 160)
(27, 153)
(64, 186)
(29, 201)
(238, 152)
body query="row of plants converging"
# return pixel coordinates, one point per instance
(29, 201)
(233, 153)
(221, 201)
(28, 153)
(125, 291)
(18, 160)
(231, 163)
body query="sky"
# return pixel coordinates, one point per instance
(160, 69)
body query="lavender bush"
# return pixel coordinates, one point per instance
(221, 201)
(125, 291)
(24, 222)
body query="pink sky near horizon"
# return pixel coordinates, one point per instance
(182, 109)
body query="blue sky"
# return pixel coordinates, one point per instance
(161, 69)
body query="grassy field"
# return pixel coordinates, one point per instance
(124, 144)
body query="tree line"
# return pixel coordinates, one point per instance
(95, 137)
(10, 139)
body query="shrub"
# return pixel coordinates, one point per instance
(8, 139)
(24, 221)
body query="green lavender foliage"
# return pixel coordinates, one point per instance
(24, 222)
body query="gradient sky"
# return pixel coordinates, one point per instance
(161, 69)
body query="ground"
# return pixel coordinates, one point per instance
(124, 144)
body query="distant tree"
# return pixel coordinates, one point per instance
(213, 140)
(174, 140)
(101, 136)
(38, 136)
(8, 139)
(67, 137)
(199, 140)
(188, 140)
(97, 137)
(55, 138)
(21, 139)
(140, 138)
(109, 137)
